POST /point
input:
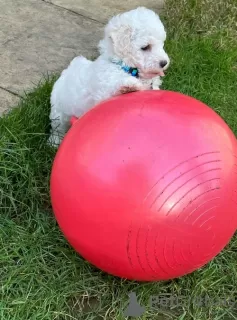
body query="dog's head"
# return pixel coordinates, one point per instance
(137, 38)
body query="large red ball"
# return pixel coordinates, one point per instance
(144, 186)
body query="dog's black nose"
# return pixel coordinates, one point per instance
(163, 63)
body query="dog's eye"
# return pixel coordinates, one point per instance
(146, 48)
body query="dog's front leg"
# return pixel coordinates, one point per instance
(132, 85)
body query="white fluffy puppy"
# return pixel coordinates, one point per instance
(132, 59)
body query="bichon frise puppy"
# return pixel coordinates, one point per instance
(132, 59)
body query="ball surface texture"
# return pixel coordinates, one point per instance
(144, 186)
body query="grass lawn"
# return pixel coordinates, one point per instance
(41, 277)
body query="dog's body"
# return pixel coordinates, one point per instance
(133, 39)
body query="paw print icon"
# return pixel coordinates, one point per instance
(134, 309)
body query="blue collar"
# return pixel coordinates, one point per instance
(133, 71)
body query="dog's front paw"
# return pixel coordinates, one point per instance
(127, 89)
(154, 87)
(133, 87)
(156, 83)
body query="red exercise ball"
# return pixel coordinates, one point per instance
(144, 186)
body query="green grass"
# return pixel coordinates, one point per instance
(41, 277)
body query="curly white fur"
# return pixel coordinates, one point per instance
(137, 39)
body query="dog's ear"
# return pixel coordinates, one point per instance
(121, 39)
